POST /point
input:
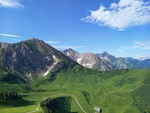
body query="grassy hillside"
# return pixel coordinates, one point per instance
(123, 91)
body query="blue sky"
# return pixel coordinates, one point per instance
(120, 27)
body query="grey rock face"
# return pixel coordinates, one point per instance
(88, 60)
(71, 53)
(30, 59)
(26, 58)
(4, 45)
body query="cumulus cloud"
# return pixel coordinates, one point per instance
(11, 4)
(9, 35)
(121, 15)
(136, 45)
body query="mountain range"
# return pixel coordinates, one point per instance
(32, 58)
(105, 61)
(36, 77)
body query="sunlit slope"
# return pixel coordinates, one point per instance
(115, 91)
(123, 91)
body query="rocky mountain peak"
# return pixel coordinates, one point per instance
(105, 56)
(34, 40)
(70, 51)
(31, 58)
(105, 53)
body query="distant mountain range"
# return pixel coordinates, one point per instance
(105, 61)
(33, 58)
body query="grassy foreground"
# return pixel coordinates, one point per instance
(124, 91)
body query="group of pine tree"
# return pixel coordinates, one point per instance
(56, 105)
(9, 95)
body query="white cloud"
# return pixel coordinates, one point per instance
(145, 45)
(11, 4)
(9, 35)
(51, 42)
(126, 13)
(136, 45)
(58, 45)
(67, 47)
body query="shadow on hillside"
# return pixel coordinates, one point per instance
(16, 102)
(39, 90)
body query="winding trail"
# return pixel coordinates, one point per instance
(37, 108)
(78, 103)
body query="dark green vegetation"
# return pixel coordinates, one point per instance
(56, 105)
(8, 77)
(13, 99)
(124, 91)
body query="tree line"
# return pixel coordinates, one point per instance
(9, 95)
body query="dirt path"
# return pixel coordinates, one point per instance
(78, 103)
(37, 108)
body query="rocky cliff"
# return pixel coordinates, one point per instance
(88, 60)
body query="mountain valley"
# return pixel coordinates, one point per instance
(35, 77)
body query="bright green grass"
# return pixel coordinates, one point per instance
(114, 92)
